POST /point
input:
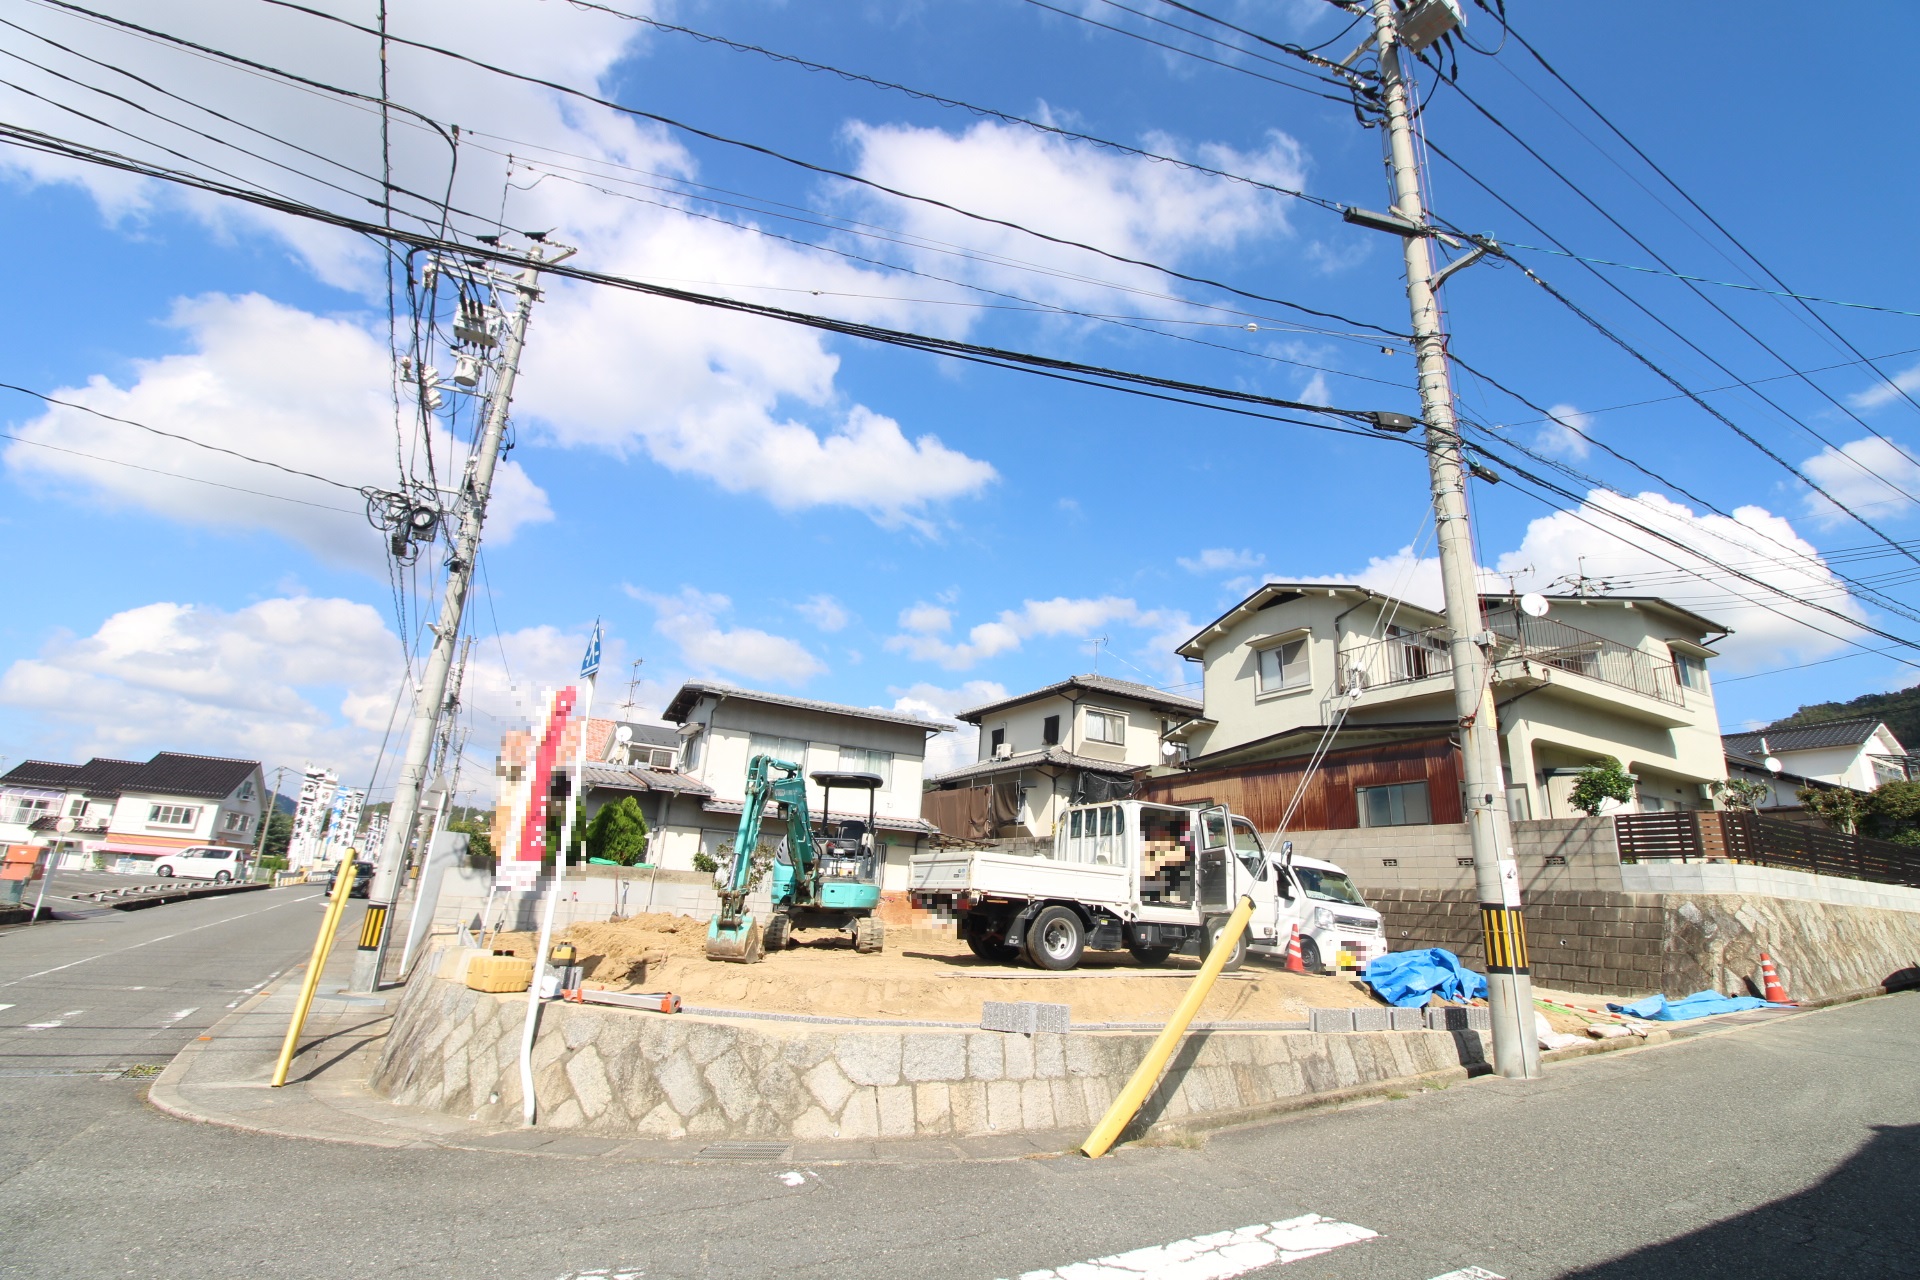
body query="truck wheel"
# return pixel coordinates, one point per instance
(868, 935)
(1309, 954)
(778, 935)
(988, 949)
(1056, 939)
(1238, 956)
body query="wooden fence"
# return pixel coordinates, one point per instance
(1762, 842)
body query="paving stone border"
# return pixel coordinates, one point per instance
(631, 1074)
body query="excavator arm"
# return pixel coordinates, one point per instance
(733, 933)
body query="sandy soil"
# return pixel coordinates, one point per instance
(923, 975)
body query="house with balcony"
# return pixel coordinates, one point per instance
(129, 811)
(1078, 741)
(1362, 682)
(1860, 753)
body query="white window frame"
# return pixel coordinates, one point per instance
(1361, 802)
(868, 760)
(1683, 663)
(155, 819)
(237, 823)
(28, 809)
(758, 745)
(1276, 646)
(1093, 715)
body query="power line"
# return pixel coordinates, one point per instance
(810, 166)
(177, 475)
(1722, 284)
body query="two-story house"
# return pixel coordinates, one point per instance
(1078, 741)
(623, 758)
(1860, 753)
(131, 810)
(1364, 681)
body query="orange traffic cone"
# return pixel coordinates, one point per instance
(1294, 963)
(1776, 992)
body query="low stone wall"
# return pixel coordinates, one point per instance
(1677, 943)
(624, 1073)
(1555, 855)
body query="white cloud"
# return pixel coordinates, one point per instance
(1565, 436)
(1074, 191)
(283, 681)
(273, 382)
(1221, 560)
(924, 638)
(690, 620)
(946, 751)
(1767, 626)
(1887, 390)
(1868, 475)
(824, 612)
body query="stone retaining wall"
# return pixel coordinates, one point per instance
(631, 1074)
(1676, 943)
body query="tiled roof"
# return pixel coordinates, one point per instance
(168, 773)
(1033, 760)
(1146, 693)
(885, 821)
(692, 691)
(1804, 737)
(614, 777)
(653, 735)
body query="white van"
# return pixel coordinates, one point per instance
(1337, 927)
(218, 863)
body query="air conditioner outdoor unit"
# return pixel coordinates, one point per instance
(1003, 752)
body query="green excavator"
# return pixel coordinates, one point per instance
(828, 879)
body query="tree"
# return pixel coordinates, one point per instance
(279, 836)
(1893, 812)
(618, 833)
(1603, 780)
(479, 834)
(1841, 808)
(1742, 795)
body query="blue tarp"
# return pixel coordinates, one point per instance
(1408, 978)
(1701, 1004)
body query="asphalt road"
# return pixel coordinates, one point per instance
(1788, 1149)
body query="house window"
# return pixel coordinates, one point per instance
(1050, 731)
(1107, 726)
(861, 760)
(172, 815)
(1691, 671)
(1284, 666)
(1400, 805)
(996, 740)
(246, 791)
(690, 753)
(239, 823)
(27, 810)
(76, 806)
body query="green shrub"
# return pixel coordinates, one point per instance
(618, 833)
(1603, 780)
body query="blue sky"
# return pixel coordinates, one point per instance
(749, 501)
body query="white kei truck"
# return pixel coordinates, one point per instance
(1150, 879)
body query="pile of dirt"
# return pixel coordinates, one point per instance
(922, 977)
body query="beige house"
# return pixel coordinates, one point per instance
(1622, 676)
(1860, 753)
(1082, 739)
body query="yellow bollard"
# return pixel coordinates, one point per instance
(1147, 1074)
(336, 907)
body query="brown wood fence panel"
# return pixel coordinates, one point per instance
(1764, 842)
(1262, 791)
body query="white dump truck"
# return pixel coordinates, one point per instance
(1147, 878)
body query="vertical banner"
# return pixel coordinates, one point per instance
(519, 868)
(317, 786)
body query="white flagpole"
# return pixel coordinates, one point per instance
(588, 669)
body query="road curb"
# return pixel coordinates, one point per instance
(185, 895)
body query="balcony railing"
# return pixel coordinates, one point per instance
(1408, 656)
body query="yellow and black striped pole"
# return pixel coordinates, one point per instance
(371, 927)
(1506, 932)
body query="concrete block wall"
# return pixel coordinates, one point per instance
(1640, 943)
(1555, 855)
(623, 1073)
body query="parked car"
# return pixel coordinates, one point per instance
(218, 863)
(362, 880)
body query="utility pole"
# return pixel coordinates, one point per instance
(429, 700)
(1516, 1048)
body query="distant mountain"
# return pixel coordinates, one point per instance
(1900, 711)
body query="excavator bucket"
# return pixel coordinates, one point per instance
(738, 941)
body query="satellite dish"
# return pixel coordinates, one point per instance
(1773, 764)
(1168, 750)
(624, 734)
(1533, 604)
(64, 825)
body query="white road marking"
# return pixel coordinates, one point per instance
(1220, 1255)
(794, 1178)
(256, 987)
(176, 1017)
(1470, 1273)
(606, 1273)
(5, 1006)
(162, 938)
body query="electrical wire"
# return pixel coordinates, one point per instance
(811, 167)
(1721, 284)
(177, 475)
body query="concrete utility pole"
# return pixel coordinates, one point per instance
(431, 697)
(1516, 1048)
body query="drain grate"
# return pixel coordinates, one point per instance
(744, 1151)
(141, 1070)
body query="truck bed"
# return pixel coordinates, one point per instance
(1006, 875)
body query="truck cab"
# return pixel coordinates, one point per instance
(1337, 927)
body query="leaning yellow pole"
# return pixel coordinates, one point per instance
(336, 907)
(1147, 1074)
